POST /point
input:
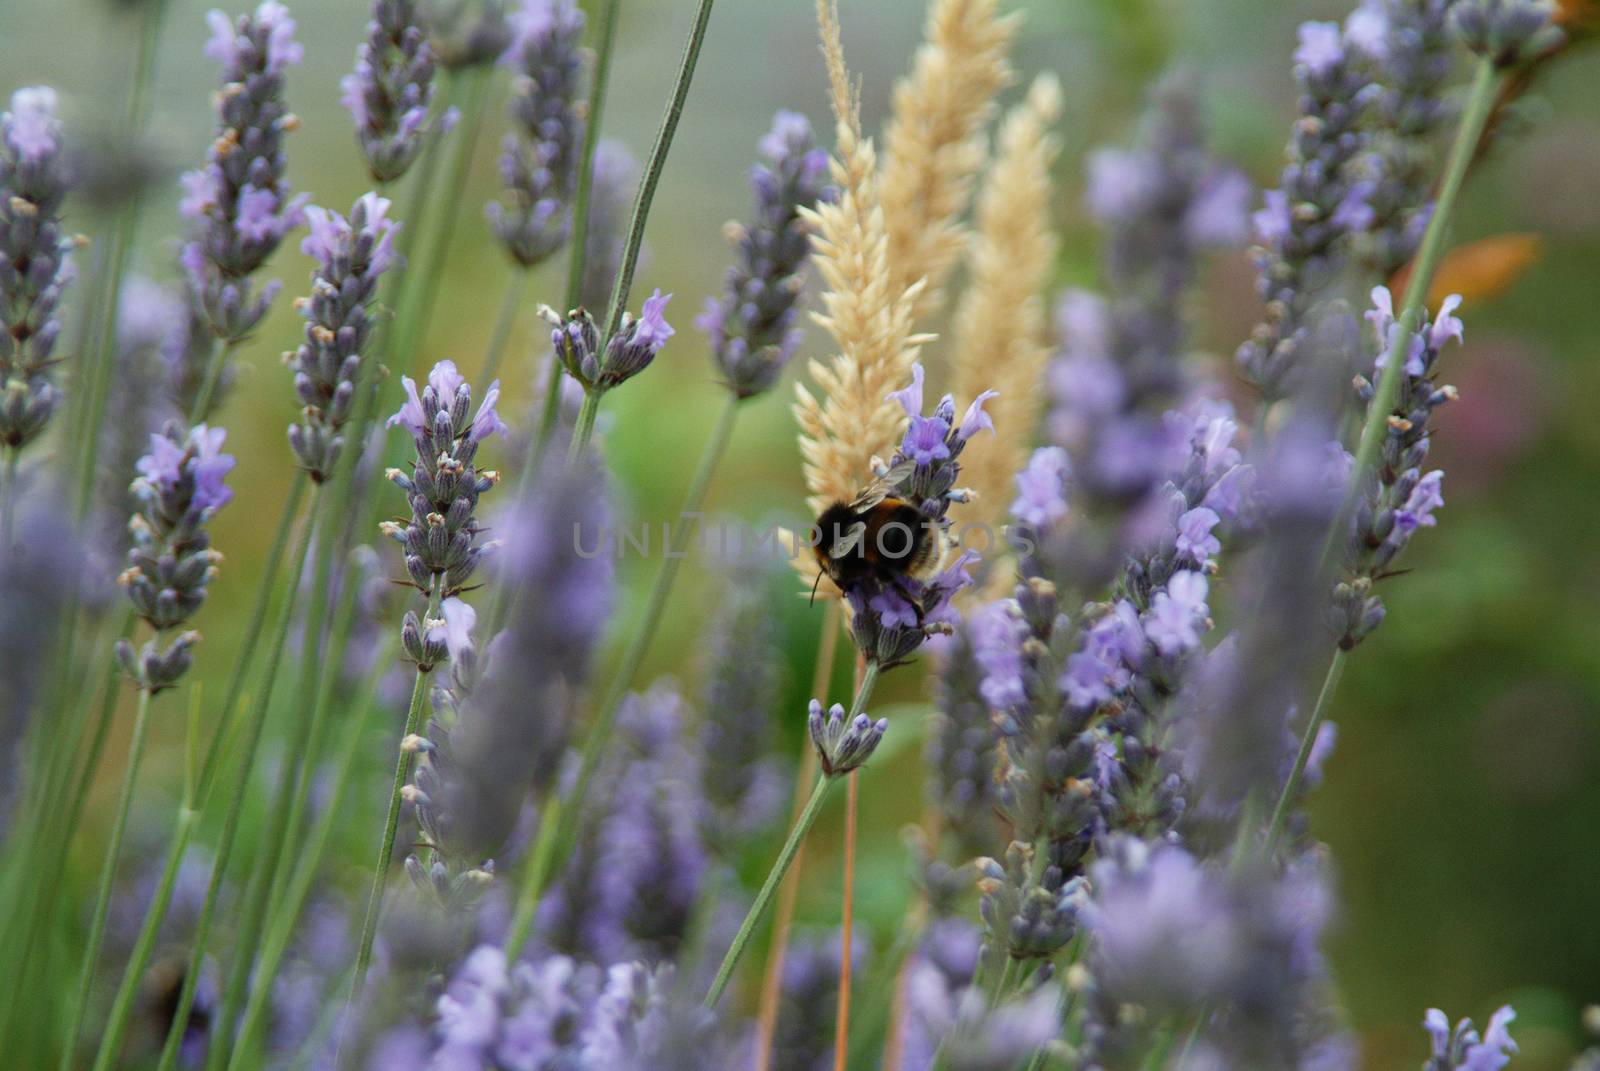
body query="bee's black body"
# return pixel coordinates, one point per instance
(885, 540)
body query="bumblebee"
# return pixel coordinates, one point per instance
(876, 537)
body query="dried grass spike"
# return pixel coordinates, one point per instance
(933, 145)
(1000, 325)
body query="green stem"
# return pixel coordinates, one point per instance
(502, 324)
(1479, 104)
(133, 973)
(8, 498)
(402, 773)
(108, 872)
(251, 919)
(594, 745)
(607, 32)
(791, 847)
(534, 877)
(221, 352)
(653, 167)
(417, 309)
(796, 835)
(1308, 740)
(297, 890)
(258, 619)
(584, 430)
(641, 207)
(577, 256)
(100, 335)
(236, 805)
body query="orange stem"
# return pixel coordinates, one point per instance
(789, 891)
(841, 1030)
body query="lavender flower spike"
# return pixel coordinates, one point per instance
(390, 93)
(625, 355)
(538, 164)
(1509, 32)
(890, 620)
(752, 326)
(441, 536)
(34, 266)
(351, 254)
(1400, 496)
(180, 487)
(843, 744)
(1304, 227)
(1462, 1049)
(240, 201)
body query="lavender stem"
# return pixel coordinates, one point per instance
(402, 773)
(108, 872)
(791, 848)
(230, 825)
(298, 889)
(641, 208)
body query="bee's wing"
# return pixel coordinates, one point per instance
(849, 541)
(883, 486)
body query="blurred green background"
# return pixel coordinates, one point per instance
(1463, 802)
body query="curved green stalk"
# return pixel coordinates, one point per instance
(108, 872)
(230, 824)
(584, 431)
(100, 334)
(266, 860)
(641, 206)
(534, 877)
(402, 773)
(297, 891)
(594, 744)
(221, 353)
(8, 498)
(785, 857)
(133, 973)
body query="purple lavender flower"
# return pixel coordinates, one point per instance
(962, 751)
(502, 725)
(538, 164)
(744, 785)
(180, 487)
(808, 996)
(390, 93)
(1042, 488)
(843, 744)
(37, 573)
(1462, 1049)
(631, 890)
(351, 254)
(1399, 498)
(627, 353)
(752, 325)
(34, 264)
(1411, 52)
(551, 1012)
(1162, 203)
(239, 202)
(441, 536)
(1509, 32)
(1305, 231)
(890, 620)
